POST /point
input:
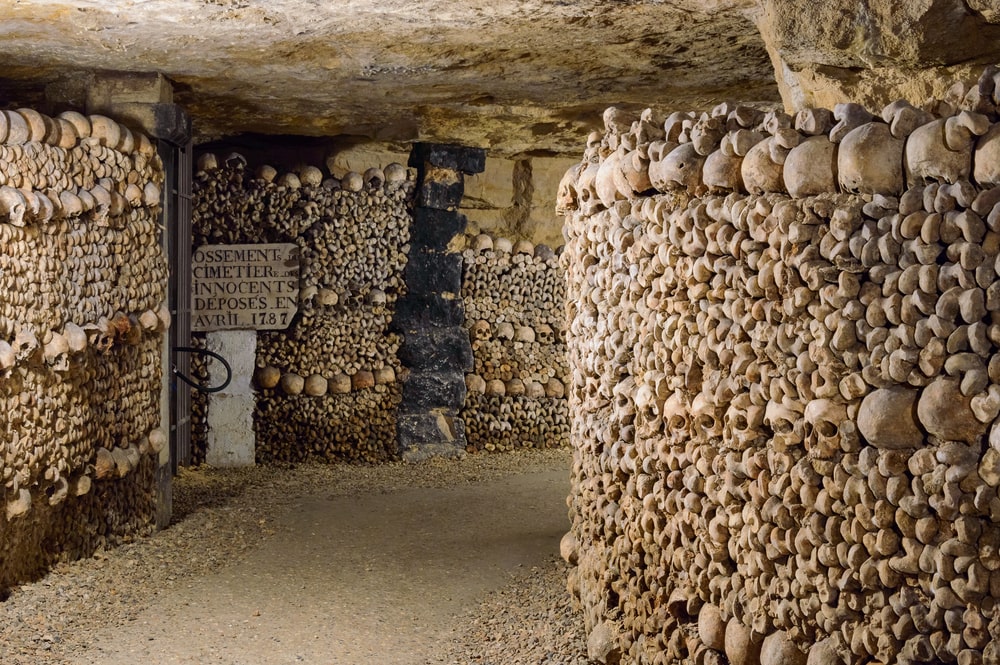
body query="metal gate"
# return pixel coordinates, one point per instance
(178, 168)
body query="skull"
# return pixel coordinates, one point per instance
(374, 178)
(46, 210)
(235, 160)
(785, 420)
(117, 206)
(26, 346)
(32, 205)
(586, 192)
(105, 130)
(101, 335)
(149, 321)
(624, 405)
(676, 418)
(928, 157)
(376, 299)
(121, 325)
(102, 203)
(480, 330)
(70, 203)
(8, 358)
(761, 173)
(606, 181)
(706, 418)
(208, 162)
(741, 424)
(646, 409)
(823, 419)
(12, 205)
(524, 334)
(870, 161)
(395, 175)
(134, 195)
(986, 170)
(679, 168)
(811, 167)
(87, 201)
(635, 171)
(505, 330)
(566, 195)
(656, 151)
(544, 334)
(56, 352)
(310, 175)
(482, 242)
(722, 172)
(157, 440)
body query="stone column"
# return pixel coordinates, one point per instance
(435, 351)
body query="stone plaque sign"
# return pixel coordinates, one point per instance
(244, 287)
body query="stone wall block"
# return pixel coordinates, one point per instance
(427, 390)
(429, 271)
(433, 228)
(437, 349)
(419, 310)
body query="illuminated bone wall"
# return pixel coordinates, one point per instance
(328, 384)
(783, 338)
(82, 319)
(514, 299)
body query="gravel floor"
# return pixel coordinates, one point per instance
(220, 516)
(528, 622)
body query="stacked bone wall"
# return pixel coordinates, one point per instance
(783, 337)
(82, 319)
(328, 384)
(514, 313)
(512, 197)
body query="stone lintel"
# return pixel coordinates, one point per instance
(111, 88)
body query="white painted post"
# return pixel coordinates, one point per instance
(231, 438)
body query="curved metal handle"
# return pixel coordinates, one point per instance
(195, 384)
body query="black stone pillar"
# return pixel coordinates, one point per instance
(435, 349)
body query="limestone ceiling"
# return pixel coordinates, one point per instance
(512, 76)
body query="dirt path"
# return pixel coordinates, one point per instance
(374, 578)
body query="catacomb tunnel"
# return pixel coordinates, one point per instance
(317, 317)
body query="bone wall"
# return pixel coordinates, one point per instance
(514, 314)
(82, 319)
(328, 384)
(512, 197)
(783, 337)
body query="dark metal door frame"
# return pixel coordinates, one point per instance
(178, 168)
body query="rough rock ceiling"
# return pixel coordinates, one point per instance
(511, 75)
